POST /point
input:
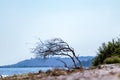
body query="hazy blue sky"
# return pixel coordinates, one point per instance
(84, 24)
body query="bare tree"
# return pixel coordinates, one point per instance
(57, 47)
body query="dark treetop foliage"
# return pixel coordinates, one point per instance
(57, 47)
(107, 50)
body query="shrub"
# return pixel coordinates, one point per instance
(111, 60)
(108, 61)
(106, 51)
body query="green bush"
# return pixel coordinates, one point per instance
(108, 61)
(111, 60)
(106, 51)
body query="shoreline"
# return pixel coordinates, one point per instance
(103, 72)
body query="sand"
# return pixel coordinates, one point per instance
(103, 72)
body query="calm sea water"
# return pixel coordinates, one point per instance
(12, 71)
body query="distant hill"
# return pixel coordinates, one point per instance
(50, 62)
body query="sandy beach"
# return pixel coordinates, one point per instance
(103, 72)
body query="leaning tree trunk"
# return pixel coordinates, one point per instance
(72, 58)
(75, 65)
(73, 61)
(65, 65)
(77, 59)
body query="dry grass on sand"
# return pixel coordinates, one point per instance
(103, 72)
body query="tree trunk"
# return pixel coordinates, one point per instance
(71, 59)
(77, 59)
(65, 65)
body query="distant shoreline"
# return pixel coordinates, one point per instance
(27, 67)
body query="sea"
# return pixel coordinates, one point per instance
(16, 71)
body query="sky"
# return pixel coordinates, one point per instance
(84, 24)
